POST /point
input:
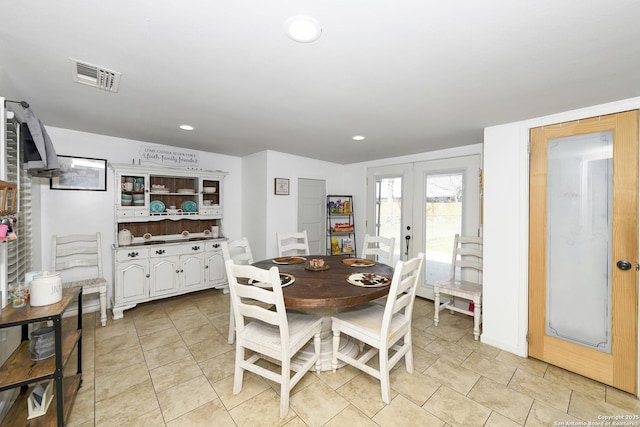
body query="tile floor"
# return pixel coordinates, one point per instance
(167, 363)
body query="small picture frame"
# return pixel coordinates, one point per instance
(281, 186)
(80, 173)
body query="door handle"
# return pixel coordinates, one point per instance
(407, 238)
(623, 265)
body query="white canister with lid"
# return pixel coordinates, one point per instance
(46, 288)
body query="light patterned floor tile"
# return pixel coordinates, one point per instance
(200, 333)
(159, 339)
(455, 376)
(219, 367)
(118, 360)
(252, 385)
(415, 387)
(489, 368)
(350, 416)
(456, 409)
(589, 408)
(549, 392)
(175, 373)
(542, 415)
(246, 415)
(166, 354)
(118, 410)
(210, 414)
(364, 392)
(623, 400)
(497, 397)
(403, 412)
(211, 346)
(117, 382)
(317, 403)
(185, 397)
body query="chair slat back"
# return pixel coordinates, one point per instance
(467, 255)
(252, 302)
(81, 253)
(237, 250)
(290, 244)
(379, 248)
(402, 291)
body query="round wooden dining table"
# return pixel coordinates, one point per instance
(326, 292)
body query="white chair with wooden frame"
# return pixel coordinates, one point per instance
(381, 328)
(78, 259)
(467, 257)
(270, 334)
(240, 252)
(378, 248)
(292, 244)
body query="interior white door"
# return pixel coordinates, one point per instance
(423, 205)
(312, 198)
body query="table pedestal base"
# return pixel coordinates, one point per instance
(347, 345)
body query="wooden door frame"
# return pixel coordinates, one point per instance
(597, 365)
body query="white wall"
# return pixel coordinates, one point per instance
(506, 224)
(282, 211)
(68, 212)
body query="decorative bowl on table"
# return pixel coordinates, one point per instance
(316, 265)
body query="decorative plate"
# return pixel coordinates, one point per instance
(206, 232)
(185, 234)
(156, 206)
(367, 280)
(289, 260)
(146, 236)
(285, 280)
(358, 262)
(189, 206)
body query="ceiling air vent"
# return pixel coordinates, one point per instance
(93, 75)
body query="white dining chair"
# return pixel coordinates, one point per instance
(292, 244)
(269, 333)
(467, 257)
(382, 329)
(379, 248)
(240, 252)
(78, 259)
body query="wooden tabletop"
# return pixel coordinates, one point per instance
(328, 288)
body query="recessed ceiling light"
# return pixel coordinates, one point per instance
(303, 29)
(358, 138)
(186, 127)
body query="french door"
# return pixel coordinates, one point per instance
(583, 254)
(423, 205)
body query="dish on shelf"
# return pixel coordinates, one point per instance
(289, 260)
(156, 206)
(185, 234)
(159, 190)
(147, 236)
(285, 280)
(189, 206)
(209, 190)
(185, 191)
(358, 262)
(368, 280)
(206, 232)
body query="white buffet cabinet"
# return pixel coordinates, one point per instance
(172, 251)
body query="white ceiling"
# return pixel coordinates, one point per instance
(412, 76)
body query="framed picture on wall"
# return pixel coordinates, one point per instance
(80, 173)
(281, 186)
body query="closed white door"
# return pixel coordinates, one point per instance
(423, 205)
(312, 198)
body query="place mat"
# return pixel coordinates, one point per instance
(289, 260)
(358, 262)
(367, 280)
(285, 279)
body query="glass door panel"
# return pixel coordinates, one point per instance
(443, 207)
(579, 226)
(388, 214)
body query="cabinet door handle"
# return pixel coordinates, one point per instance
(195, 248)
(148, 275)
(216, 245)
(132, 254)
(206, 266)
(160, 251)
(177, 271)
